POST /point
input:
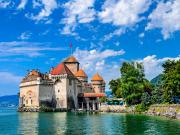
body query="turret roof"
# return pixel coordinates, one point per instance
(71, 59)
(97, 77)
(81, 73)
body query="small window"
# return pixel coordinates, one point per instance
(26, 101)
(58, 91)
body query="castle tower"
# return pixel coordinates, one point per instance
(98, 83)
(72, 63)
(82, 76)
(64, 87)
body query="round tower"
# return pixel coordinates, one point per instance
(98, 83)
(82, 76)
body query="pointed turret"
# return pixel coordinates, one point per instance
(98, 83)
(81, 75)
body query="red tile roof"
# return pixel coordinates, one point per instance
(61, 69)
(92, 95)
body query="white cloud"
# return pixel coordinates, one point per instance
(9, 78)
(93, 61)
(77, 11)
(5, 3)
(46, 11)
(123, 12)
(117, 43)
(100, 65)
(30, 49)
(153, 65)
(36, 3)
(166, 17)
(22, 4)
(25, 36)
(141, 35)
(117, 32)
(91, 58)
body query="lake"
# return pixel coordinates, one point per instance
(13, 123)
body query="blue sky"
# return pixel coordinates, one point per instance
(35, 34)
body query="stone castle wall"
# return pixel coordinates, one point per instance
(60, 96)
(29, 94)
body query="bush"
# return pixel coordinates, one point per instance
(103, 99)
(140, 108)
(45, 109)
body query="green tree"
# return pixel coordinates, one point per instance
(133, 82)
(157, 93)
(115, 86)
(171, 80)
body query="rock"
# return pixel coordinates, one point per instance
(170, 111)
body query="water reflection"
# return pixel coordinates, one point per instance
(94, 124)
(28, 123)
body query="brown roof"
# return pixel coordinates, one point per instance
(32, 75)
(81, 73)
(61, 69)
(92, 95)
(71, 59)
(97, 77)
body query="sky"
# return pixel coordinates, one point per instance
(35, 34)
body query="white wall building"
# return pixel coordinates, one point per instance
(66, 87)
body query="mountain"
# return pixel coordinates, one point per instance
(155, 81)
(10, 100)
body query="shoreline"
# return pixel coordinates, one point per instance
(171, 111)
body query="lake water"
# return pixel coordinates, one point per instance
(12, 123)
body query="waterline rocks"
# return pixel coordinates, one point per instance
(167, 110)
(112, 108)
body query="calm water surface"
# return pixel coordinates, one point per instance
(12, 123)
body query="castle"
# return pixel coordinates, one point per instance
(65, 87)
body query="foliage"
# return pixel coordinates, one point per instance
(146, 99)
(103, 99)
(115, 86)
(157, 96)
(133, 82)
(44, 108)
(140, 108)
(171, 80)
(137, 90)
(157, 93)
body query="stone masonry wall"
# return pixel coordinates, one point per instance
(171, 111)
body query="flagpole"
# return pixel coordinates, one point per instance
(71, 50)
(70, 45)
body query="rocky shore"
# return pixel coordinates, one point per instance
(167, 110)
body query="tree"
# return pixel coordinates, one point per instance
(115, 86)
(133, 82)
(157, 93)
(171, 80)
